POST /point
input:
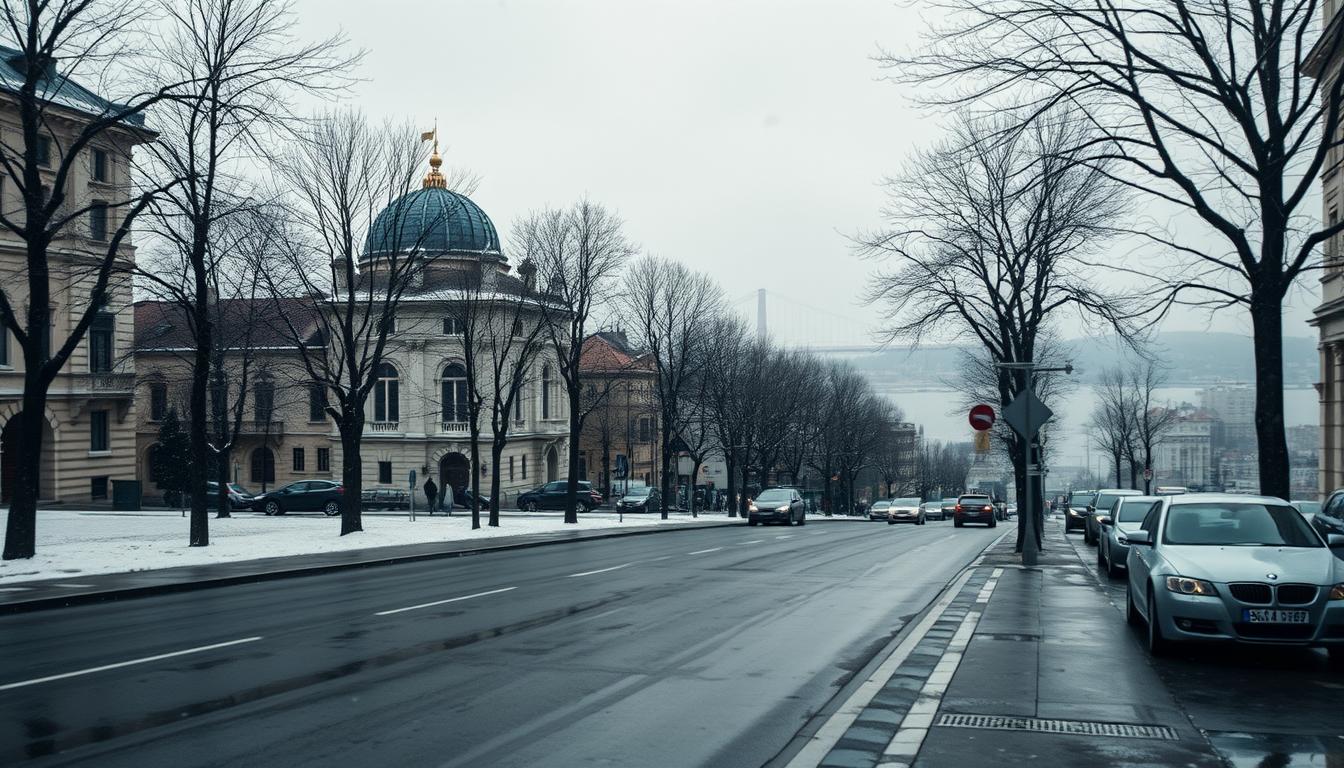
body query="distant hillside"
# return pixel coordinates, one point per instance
(1191, 359)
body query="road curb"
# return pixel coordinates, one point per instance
(112, 595)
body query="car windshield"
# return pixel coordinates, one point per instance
(1081, 500)
(905, 502)
(881, 505)
(1308, 507)
(1239, 524)
(638, 493)
(773, 497)
(974, 499)
(1106, 501)
(1133, 511)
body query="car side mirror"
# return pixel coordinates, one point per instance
(1091, 509)
(1140, 538)
(1104, 520)
(1334, 540)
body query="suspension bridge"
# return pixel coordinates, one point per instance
(793, 322)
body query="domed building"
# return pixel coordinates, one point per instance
(445, 250)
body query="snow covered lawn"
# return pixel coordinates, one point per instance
(72, 543)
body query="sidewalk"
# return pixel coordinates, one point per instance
(1021, 666)
(83, 588)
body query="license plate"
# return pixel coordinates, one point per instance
(1273, 616)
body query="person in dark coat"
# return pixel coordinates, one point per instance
(431, 494)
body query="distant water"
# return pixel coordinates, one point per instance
(943, 417)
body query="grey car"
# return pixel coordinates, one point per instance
(779, 505)
(1232, 568)
(1128, 515)
(1100, 506)
(933, 510)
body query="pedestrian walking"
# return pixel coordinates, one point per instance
(431, 493)
(447, 503)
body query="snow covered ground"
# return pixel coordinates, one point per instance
(72, 543)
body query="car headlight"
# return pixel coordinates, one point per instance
(1337, 592)
(1075, 513)
(784, 508)
(1186, 586)
(751, 507)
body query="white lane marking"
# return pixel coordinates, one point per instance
(753, 541)
(157, 657)
(785, 536)
(441, 602)
(600, 570)
(830, 733)
(704, 551)
(73, 586)
(14, 589)
(656, 559)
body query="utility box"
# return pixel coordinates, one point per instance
(126, 494)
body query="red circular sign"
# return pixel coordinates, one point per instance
(982, 417)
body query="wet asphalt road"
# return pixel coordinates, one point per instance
(1260, 706)
(703, 647)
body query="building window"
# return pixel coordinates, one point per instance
(454, 393)
(385, 472)
(158, 401)
(323, 459)
(517, 328)
(4, 346)
(263, 466)
(546, 392)
(98, 434)
(388, 324)
(98, 220)
(452, 326)
(386, 405)
(98, 487)
(99, 165)
(264, 400)
(44, 151)
(524, 467)
(298, 460)
(510, 468)
(101, 333)
(518, 403)
(317, 402)
(645, 429)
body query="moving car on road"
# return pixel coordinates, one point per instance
(779, 505)
(974, 508)
(1233, 568)
(1076, 512)
(303, 496)
(1103, 505)
(905, 511)
(879, 510)
(1128, 515)
(949, 508)
(552, 496)
(641, 499)
(933, 510)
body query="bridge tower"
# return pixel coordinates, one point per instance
(760, 314)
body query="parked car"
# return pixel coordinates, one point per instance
(878, 511)
(1128, 515)
(781, 505)
(462, 499)
(933, 510)
(552, 496)
(1234, 568)
(949, 508)
(1076, 510)
(905, 511)
(303, 496)
(239, 497)
(974, 508)
(641, 499)
(1330, 518)
(1170, 490)
(1104, 503)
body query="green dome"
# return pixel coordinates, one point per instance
(433, 219)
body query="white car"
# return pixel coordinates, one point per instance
(905, 511)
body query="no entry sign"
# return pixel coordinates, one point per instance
(982, 417)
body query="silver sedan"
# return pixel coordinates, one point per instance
(1128, 514)
(1246, 569)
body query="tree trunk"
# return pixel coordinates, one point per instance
(475, 474)
(1133, 475)
(572, 451)
(496, 452)
(21, 526)
(695, 472)
(664, 463)
(1118, 483)
(742, 500)
(1272, 445)
(352, 474)
(731, 467)
(222, 473)
(200, 443)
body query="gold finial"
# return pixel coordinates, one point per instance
(434, 179)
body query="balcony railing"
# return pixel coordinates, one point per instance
(262, 427)
(104, 383)
(385, 426)
(454, 427)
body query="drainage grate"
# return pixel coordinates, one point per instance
(1073, 727)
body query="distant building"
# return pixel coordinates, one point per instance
(1185, 455)
(620, 437)
(1323, 63)
(1234, 408)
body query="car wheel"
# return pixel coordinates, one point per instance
(530, 506)
(1131, 611)
(1101, 560)
(1112, 569)
(889, 522)
(957, 523)
(751, 522)
(993, 523)
(584, 508)
(331, 509)
(802, 519)
(273, 508)
(1157, 644)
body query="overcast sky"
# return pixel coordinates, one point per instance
(747, 139)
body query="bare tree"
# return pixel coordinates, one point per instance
(1220, 108)
(1153, 421)
(1114, 421)
(730, 413)
(352, 255)
(244, 66)
(578, 252)
(671, 307)
(991, 233)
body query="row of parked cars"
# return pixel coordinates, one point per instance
(1212, 567)
(967, 508)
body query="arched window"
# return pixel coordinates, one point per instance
(386, 405)
(263, 466)
(546, 392)
(454, 393)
